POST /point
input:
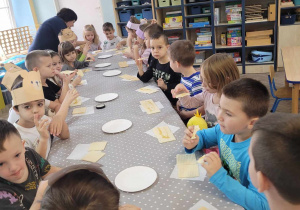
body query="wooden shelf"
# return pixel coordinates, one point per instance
(269, 45)
(197, 3)
(199, 15)
(172, 29)
(218, 46)
(168, 7)
(198, 27)
(258, 21)
(294, 7)
(296, 23)
(228, 24)
(247, 63)
(220, 1)
(134, 7)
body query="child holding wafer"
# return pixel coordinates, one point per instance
(131, 27)
(242, 103)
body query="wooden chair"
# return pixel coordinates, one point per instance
(279, 94)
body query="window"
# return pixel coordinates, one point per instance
(6, 18)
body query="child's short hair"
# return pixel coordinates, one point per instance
(32, 59)
(6, 129)
(107, 26)
(52, 53)
(253, 95)
(158, 36)
(276, 152)
(183, 52)
(92, 29)
(81, 189)
(219, 70)
(65, 48)
(153, 29)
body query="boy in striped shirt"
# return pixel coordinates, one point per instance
(182, 57)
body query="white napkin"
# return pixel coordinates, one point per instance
(172, 128)
(158, 104)
(89, 110)
(203, 203)
(201, 177)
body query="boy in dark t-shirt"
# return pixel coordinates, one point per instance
(21, 170)
(159, 66)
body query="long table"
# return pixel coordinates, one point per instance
(134, 147)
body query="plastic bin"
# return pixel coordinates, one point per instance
(124, 3)
(176, 2)
(147, 13)
(287, 19)
(206, 10)
(145, 2)
(164, 3)
(200, 57)
(139, 16)
(195, 10)
(297, 2)
(125, 15)
(261, 56)
(124, 31)
(135, 2)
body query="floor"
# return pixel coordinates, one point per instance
(284, 106)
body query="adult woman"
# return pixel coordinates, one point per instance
(47, 35)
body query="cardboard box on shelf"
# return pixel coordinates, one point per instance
(259, 33)
(271, 12)
(258, 41)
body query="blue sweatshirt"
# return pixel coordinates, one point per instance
(233, 178)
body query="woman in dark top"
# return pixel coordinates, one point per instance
(47, 35)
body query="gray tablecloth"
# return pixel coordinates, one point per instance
(134, 147)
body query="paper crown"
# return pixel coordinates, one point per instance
(24, 86)
(131, 25)
(67, 35)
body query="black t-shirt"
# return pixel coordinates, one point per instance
(164, 71)
(51, 90)
(21, 196)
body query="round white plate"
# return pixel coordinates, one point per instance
(101, 65)
(105, 56)
(106, 97)
(135, 178)
(116, 126)
(111, 73)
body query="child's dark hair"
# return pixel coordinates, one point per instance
(32, 59)
(153, 29)
(158, 35)
(52, 53)
(65, 48)
(6, 129)
(107, 26)
(183, 52)
(81, 189)
(253, 95)
(276, 152)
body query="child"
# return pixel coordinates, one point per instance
(21, 170)
(131, 27)
(182, 58)
(68, 55)
(159, 68)
(82, 53)
(28, 97)
(57, 65)
(90, 35)
(216, 71)
(85, 186)
(142, 50)
(242, 103)
(112, 41)
(274, 159)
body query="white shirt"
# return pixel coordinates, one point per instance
(31, 136)
(111, 44)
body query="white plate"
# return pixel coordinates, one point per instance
(111, 73)
(106, 97)
(101, 65)
(116, 126)
(105, 56)
(135, 178)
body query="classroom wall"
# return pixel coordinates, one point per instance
(108, 12)
(22, 13)
(44, 9)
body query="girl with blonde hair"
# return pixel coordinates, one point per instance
(90, 35)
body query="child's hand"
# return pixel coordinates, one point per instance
(129, 207)
(127, 55)
(67, 79)
(86, 48)
(161, 83)
(188, 142)
(139, 64)
(42, 127)
(76, 81)
(180, 88)
(212, 163)
(119, 46)
(56, 125)
(71, 96)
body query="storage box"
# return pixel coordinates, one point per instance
(235, 41)
(138, 16)
(287, 19)
(257, 41)
(173, 19)
(135, 2)
(163, 3)
(261, 56)
(271, 12)
(147, 13)
(145, 2)
(125, 15)
(206, 10)
(200, 57)
(124, 3)
(172, 25)
(195, 10)
(124, 31)
(259, 33)
(176, 2)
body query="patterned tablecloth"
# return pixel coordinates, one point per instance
(134, 147)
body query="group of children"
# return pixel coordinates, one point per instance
(258, 162)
